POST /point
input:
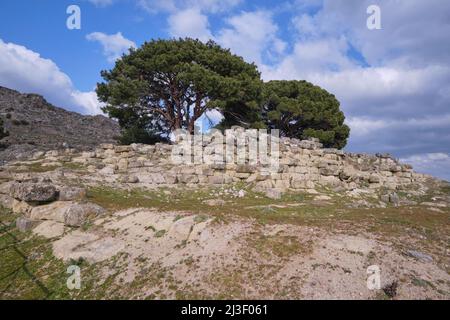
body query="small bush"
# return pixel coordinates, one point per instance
(160, 233)
(137, 134)
(3, 132)
(20, 122)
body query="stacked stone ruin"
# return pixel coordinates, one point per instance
(302, 165)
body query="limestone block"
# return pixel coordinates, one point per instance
(67, 193)
(218, 179)
(107, 146)
(121, 149)
(88, 154)
(67, 212)
(21, 207)
(25, 224)
(6, 201)
(188, 178)
(108, 170)
(122, 165)
(374, 178)
(242, 175)
(282, 184)
(302, 184)
(330, 180)
(330, 170)
(274, 193)
(263, 185)
(245, 168)
(170, 178)
(33, 192)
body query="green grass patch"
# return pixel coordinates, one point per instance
(38, 167)
(278, 245)
(160, 233)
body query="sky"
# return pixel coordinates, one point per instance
(393, 83)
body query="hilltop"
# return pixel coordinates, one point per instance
(36, 125)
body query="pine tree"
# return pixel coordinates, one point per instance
(168, 84)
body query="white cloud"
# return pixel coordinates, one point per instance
(102, 3)
(367, 126)
(25, 70)
(173, 6)
(252, 35)
(114, 45)
(396, 94)
(437, 164)
(190, 23)
(88, 100)
(309, 58)
(155, 6)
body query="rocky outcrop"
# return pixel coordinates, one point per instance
(34, 124)
(33, 192)
(70, 213)
(39, 202)
(71, 193)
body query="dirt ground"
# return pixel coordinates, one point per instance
(166, 244)
(204, 258)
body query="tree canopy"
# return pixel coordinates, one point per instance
(169, 84)
(299, 110)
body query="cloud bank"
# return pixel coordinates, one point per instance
(26, 71)
(114, 45)
(393, 83)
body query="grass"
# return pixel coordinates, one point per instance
(268, 211)
(422, 283)
(38, 167)
(278, 245)
(429, 228)
(28, 269)
(160, 233)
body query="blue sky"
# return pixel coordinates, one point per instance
(393, 83)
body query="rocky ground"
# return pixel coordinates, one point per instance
(34, 124)
(224, 241)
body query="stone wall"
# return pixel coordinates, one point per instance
(302, 165)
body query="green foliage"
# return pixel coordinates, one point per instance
(298, 109)
(301, 110)
(168, 84)
(138, 134)
(249, 116)
(3, 132)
